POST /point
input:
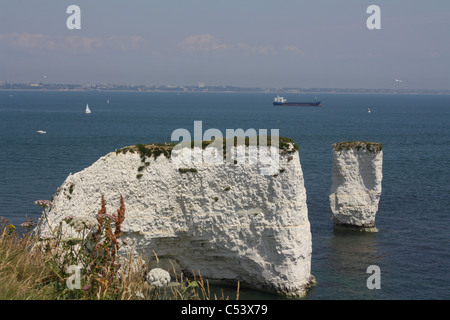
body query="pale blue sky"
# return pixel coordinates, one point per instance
(264, 43)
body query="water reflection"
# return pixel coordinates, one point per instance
(352, 251)
(341, 263)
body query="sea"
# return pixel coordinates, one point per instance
(412, 246)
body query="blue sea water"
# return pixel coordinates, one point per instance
(413, 242)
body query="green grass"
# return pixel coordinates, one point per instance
(24, 274)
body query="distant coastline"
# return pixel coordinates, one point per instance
(6, 86)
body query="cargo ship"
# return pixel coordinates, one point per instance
(280, 101)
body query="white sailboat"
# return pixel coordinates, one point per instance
(87, 109)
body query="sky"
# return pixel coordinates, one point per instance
(248, 43)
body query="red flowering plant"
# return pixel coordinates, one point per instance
(104, 246)
(93, 252)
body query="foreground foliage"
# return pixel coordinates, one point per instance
(85, 265)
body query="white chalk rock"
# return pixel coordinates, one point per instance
(356, 184)
(225, 220)
(158, 277)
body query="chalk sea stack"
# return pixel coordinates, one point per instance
(356, 184)
(226, 220)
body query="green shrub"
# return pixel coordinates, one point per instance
(185, 170)
(374, 147)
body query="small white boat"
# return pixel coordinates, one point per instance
(41, 132)
(87, 109)
(368, 110)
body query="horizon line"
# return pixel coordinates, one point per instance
(199, 87)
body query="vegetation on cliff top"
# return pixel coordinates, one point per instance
(358, 145)
(156, 149)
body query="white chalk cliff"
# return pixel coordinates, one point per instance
(226, 220)
(356, 184)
